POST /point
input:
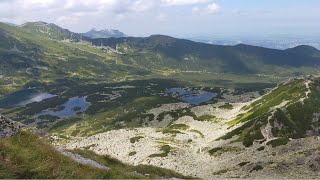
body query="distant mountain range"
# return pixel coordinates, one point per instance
(274, 42)
(40, 50)
(105, 33)
(11, 24)
(53, 31)
(268, 41)
(241, 58)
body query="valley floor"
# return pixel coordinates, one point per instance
(191, 147)
(201, 140)
(298, 159)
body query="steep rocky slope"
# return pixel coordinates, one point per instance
(290, 111)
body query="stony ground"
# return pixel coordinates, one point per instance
(186, 147)
(188, 152)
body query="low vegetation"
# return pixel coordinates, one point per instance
(294, 113)
(175, 128)
(135, 139)
(120, 170)
(218, 151)
(221, 172)
(226, 106)
(208, 117)
(198, 132)
(165, 151)
(176, 114)
(278, 142)
(27, 156)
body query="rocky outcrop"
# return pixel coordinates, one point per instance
(9, 127)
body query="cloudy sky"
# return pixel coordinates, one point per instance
(171, 17)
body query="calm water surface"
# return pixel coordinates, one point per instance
(192, 97)
(71, 107)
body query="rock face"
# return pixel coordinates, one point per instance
(9, 127)
(105, 33)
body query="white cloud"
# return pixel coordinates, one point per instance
(80, 15)
(211, 8)
(162, 17)
(143, 5)
(27, 8)
(36, 3)
(183, 2)
(68, 19)
(195, 10)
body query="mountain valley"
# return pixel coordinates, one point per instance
(154, 107)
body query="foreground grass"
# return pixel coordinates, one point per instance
(27, 156)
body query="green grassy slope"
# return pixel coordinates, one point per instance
(52, 31)
(27, 56)
(27, 156)
(189, 55)
(290, 110)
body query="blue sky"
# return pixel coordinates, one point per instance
(172, 17)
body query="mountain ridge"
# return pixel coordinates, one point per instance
(104, 33)
(153, 36)
(53, 31)
(28, 50)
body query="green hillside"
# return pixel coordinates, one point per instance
(289, 111)
(27, 56)
(40, 57)
(189, 55)
(43, 52)
(50, 30)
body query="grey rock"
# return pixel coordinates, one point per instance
(300, 161)
(307, 153)
(284, 166)
(9, 127)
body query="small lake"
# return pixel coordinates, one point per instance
(23, 97)
(192, 97)
(179, 91)
(70, 108)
